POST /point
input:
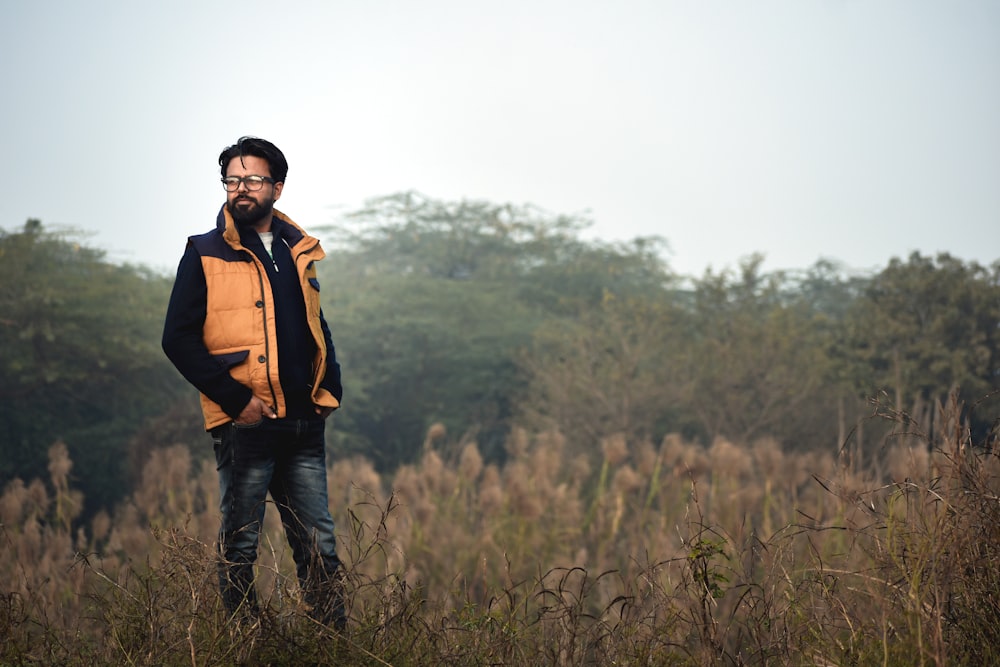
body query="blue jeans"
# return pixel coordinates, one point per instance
(288, 458)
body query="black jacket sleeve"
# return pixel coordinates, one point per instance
(331, 380)
(184, 344)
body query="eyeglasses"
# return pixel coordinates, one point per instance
(252, 183)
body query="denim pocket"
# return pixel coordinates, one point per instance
(246, 426)
(223, 447)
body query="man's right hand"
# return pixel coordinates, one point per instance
(255, 411)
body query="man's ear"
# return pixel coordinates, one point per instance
(278, 187)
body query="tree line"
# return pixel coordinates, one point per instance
(480, 317)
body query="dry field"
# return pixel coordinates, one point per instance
(666, 553)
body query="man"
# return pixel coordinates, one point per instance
(244, 326)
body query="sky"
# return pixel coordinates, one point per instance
(849, 130)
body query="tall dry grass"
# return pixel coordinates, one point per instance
(665, 553)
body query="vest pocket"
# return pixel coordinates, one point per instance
(230, 359)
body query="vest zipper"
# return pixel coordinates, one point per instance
(267, 343)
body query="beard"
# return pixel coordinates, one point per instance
(248, 212)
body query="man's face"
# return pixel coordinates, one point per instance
(251, 208)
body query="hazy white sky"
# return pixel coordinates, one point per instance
(857, 130)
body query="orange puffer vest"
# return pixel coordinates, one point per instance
(239, 326)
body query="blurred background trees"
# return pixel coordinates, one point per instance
(481, 317)
(79, 357)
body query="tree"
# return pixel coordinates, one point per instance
(755, 359)
(610, 370)
(432, 302)
(79, 355)
(420, 350)
(413, 235)
(927, 326)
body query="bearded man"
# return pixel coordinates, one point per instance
(245, 327)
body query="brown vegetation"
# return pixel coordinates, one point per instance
(665, 553)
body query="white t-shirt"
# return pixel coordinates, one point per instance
(267, 238)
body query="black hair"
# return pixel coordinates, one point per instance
(257, 148)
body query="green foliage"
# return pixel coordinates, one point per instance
(472, 315)
(420, 350)
(79, 354)
(612, 369)
(433, 301)
(928, 326)
(739, 357)
(921, 325)
(756, 359)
